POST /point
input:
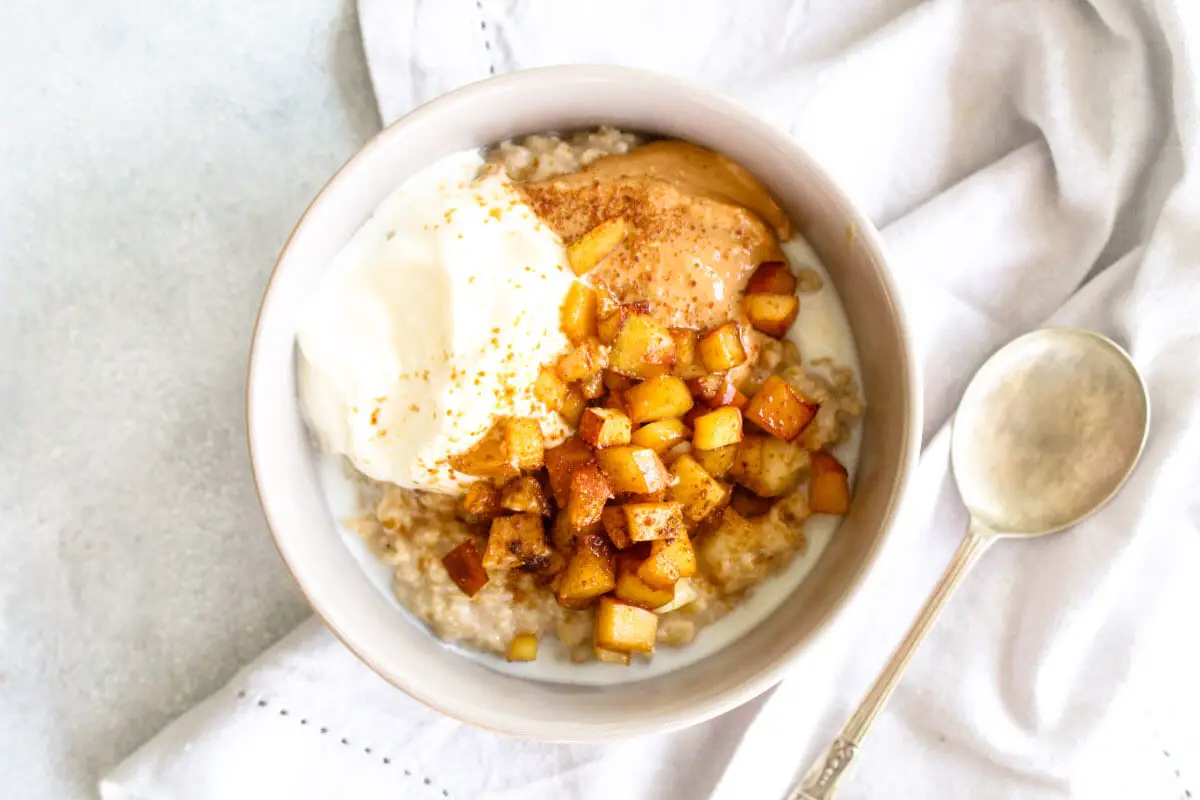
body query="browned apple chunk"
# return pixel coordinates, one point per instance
(687, 365)
(769, 467)
(779, 410)
(718, 428)
(514, 541)
(624, 627)
(616, 526)
(771, 277)
(487, 458)
(661, 435)
(633, 589)
(482, 499)
(699, 492)
(525, 495)
(590, 573)
(594, 246)
(669, 560)
(525, 442)
(583, 361)
(658, 398)
(829, 485)
(578, 313)
(718, 461)
(642, 348)
(633, 470)
(650, 521)
(721, 348)
(550, 389)
(605, 427)
(592, 387)
(524, 647)
(772, 314)
(465, 567)
(716, 390)
(565, 537)
(589, 493)
(561, 463)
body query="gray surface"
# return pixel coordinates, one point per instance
(153, 159)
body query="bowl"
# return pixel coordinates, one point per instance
(285, 469)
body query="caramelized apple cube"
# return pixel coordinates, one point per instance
(616, 382)
(550, 389)
(716, 462)
(594, 246)
(642, 348)
(573, 407)
(779, 410)
(624, 627)
(772, 314)
(718, 428)
(769, 467)
(578, 313)
(590, 573)
(565, 537)
(561, 463)
(669, 560)
(524, 495)
(658, 398)
(605, 427)
(661, 435)
(699, 493)
(686, 363)
(771, 277)
(589, 493)
(633, 470)
(465, 567)
(721, 348)
(829, 486)
(633, 589)
(487, 458)
(583, 361)
(592, 387)
(650, 521)
(515, 541)
(482, 499)
(616, 526)
(524, 647)
(716, 390)
(525, 443)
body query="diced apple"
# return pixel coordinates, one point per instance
(524, 647)
(578, 313)
(583, 361)
(658, 398)
(624, 627)
(550, 389)
(829, 486)
(772, 314)
(488, 458)
(594, 246)
(605, 427)
(633, 589)
(592, 387)
(686, 363)
(769, 467)
(669, 560)
(771, 277)
(699, 492)
(661, 435)
(716, 462)
(617, 527)
(561, 463)
(565, 537)
(610, 318)
(589, 493)
(573, 406)
(717, 428)
(721, 348)
(615, 381)
(633, 470)
(525, 442)
(524, 495)
(648, 522)
(465, 567)
(482, 499)
(779, 410)
(642, 348)
(515, 541)
(589, 573)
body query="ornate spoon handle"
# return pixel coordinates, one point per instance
(820, 783)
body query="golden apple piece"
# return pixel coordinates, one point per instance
(482, 499)
(592, 387)
(661, 435)
(573, 407)
(605, 427)
(648, 522)
(525, 443)
(550, 389)
(642, 348)
(581, 362)
(465, 567)
(633, 470)
(524, 495)
(698, 492)
(771, 277)
(633, 589)
(624, 627)
(515, 541)
(578, 313)
(561, 463)
(566, 537)
(769, 467)
(717, 428)
(669, 560)
(772, 314)
(721, 348)
(616, 526)
(779, 410)
(589, 493)
(487, 458)
(686, 363)
(611, 316)
(658, 398)
(590, 573)
(594, 246)
(718, 461)
(523, 647)
(829, 485)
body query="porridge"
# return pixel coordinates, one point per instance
(653, 448)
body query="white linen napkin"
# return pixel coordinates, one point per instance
(1030, 161)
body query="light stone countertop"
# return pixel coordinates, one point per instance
(153, 159)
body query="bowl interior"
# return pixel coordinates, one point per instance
(339, 590)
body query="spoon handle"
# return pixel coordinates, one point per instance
(820, 782)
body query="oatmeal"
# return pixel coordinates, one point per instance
(700, 438)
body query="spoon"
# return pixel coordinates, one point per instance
(1047, 432)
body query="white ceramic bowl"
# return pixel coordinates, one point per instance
(564, 98)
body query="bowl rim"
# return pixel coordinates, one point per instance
(772, 672)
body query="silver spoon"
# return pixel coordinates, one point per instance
(1047, 432)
